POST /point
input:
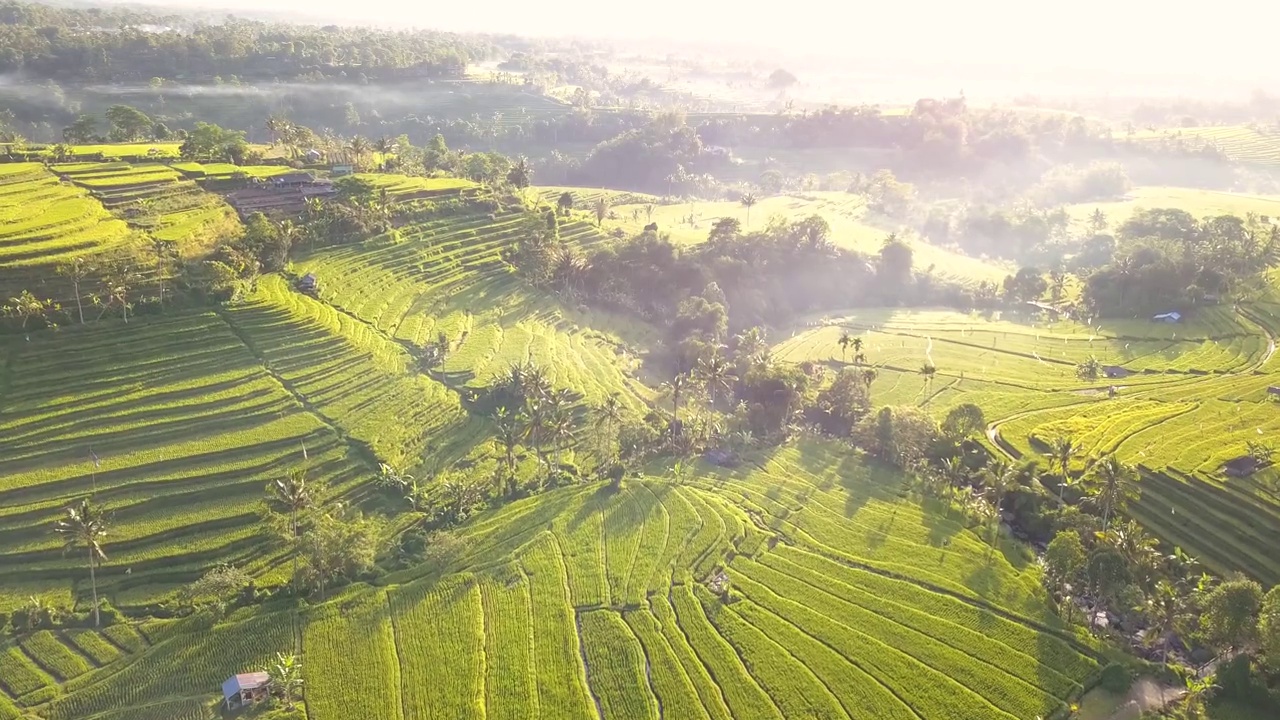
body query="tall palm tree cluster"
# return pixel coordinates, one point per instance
(530, 411)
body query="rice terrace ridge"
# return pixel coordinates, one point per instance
(389, 373)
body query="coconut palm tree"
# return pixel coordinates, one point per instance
(559, 425)
(85, 527)
(869, 377)
(928, 370)
(510, 429)
(1062, 448)
(676, 386)
(358, 147)
(748, 201)
(1002, 476)
(384, 146)
(536, 413)
(609, 412)
(520, 174)
(290, 496)
(1113, 484)
(716, 375)
(955, 471)
(751, 347)
(844, 342)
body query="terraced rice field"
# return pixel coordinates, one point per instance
(44, 221)
(190, 416)
(160, 200)
(1190, 398)
(223, 171)
(448, 277)
(1254, 145)
(835, 610)
(188, 427)
(845, 601)
(404, 187)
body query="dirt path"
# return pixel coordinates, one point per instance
(1145, 695)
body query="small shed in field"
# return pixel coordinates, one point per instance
(308, 283)
(1243, 466)
(246, 689)
(1115, 371)
(1273, 390)
(1169, 317)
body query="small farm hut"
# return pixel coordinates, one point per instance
(308, 283)
(246, 689)
(1243, 466)
(1168, 317)
(1115, 371)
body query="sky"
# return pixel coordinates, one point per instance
(1222, 40)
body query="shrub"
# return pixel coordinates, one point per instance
(1116, 678)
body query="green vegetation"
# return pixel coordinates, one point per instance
(610, 412)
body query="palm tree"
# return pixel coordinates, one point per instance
(384, 147)
(748, 200)
(609, 412)
(751, 346)
(286, 677)
(291, 496)
(536, 413)
(868, 377)
(1002, 477)
(928, 370)
(716, 374)
(559, 425)
(1114, 484)
(508, 422)
(358, 147)
(845, 342)
(277, 127)
(676, 387)
(521, 174)
(1062, 448)
(85, 526)
(954, 470)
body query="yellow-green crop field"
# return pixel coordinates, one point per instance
(44, 221)
(846, 601)
(1200, 203)
(1189, 398)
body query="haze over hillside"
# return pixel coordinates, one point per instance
(990, 48)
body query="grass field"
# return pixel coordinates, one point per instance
(589, 602)
(1194, 396)
(845, 213)
(1200, 203)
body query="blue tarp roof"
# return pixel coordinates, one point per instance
(244, 681)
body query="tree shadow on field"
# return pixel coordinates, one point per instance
(985, 580)
(853, 474)
(937, 518)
